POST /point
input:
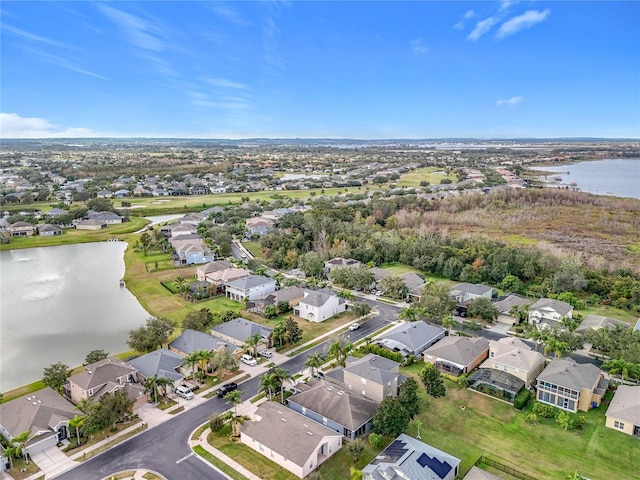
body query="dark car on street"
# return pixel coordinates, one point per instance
(223, 390)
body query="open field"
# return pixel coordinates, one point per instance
(546, 451)
(254, 248)
(433, 175)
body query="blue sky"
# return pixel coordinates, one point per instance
(320, 69)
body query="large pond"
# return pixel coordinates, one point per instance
(58, 304)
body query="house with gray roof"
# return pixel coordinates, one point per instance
(211, 267)
(409, 458)
(549, 312)
(319, 305)
(250, 288)
(291, 295)
(161, 363)
(237, 331)
(99, 378)
(44, 413)
(412, 280)
(411, 338)
(465, 292)
(571, 386)
(380, 273)
(513, 356)
(372, 376)
(623, 413)
(289, 439)
(48, 230)
(596, 322)
(457, 355)
(191, 340)
(506, 303)
(343, 411)
(107, 217)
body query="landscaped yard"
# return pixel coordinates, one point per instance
(433, 175)
(546, 451)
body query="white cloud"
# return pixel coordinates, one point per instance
(418, 47)
(224, 83)
(506, 4)
(469, 14)
(509, 102)
(13, 125)
(228, 13)
(30, 37)
(141, 33)
(482, 27)
(522, 22)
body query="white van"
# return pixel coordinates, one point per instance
(184, 392)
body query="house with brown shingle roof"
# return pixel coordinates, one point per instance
(513, 356)
(103, 376)
(44, 413)
(289, 439)
(623, 413)
(457, 355)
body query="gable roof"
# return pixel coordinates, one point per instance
(350, 411)
(317, 298)
(379, 273)
(250, 281)
(513, 352)
(459, 350)
(472, 288)
(101, 372)
(562, 308)
(192, 340)
(412, 280)
(227, 275)
(506, 303)
(39, 411)
(409, 458)
(286, 432)
(595, 322)
(565, 372)
(215, 266)
(162, 363)
(625, 404)
(241, 329)
(373, 368)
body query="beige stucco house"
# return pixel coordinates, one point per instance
(623, 413)
(515, 357)
(289, 439)
(457, 355)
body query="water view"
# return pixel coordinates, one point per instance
(616, 177)
(59, 303)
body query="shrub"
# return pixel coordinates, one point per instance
(376, 440)
(522, 399)
(216, 422)
(545, 411)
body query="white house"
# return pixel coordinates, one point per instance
(549, 311)
(318, 305)
(250, 288)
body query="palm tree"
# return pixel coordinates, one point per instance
(20, 441)
(448, 322)
(233, 397)
(224, 360)
(282, 374)
(556, 346)
(346, 294)
(190, 360)
(268, 382)
(76, 423)
(180, 284)
(315, 361)
(204, 357)
(151, 386)
(11, 453)
(618, 366)
(162, 383)
(340, 350)
(252, 343)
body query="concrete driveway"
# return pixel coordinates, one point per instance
(52, 461)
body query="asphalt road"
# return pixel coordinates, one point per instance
(165, 449)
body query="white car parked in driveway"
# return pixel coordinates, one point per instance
(266, 354)
(248, 360)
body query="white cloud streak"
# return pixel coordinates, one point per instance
(482, 27)
(509, 102)
(140, 33)
(32, 38)
(13, 125)
(224, 83)
(228, 13)
(522, 22)
(418, 47)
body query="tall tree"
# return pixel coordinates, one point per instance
(20, 441)
(95, 356)
(268, 383)
(393, 286)
(315, 361)
(360, 309)
(408, 397)
(234, 398)
(56, 375)
(432, 380)
(252, 344)
(191, 360)
(76, 423)
(390, 418)
(151, 336)
(282, 375)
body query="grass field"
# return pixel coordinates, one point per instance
(433, 175)
(254, 248)
(546, 451)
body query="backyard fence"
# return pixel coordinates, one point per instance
(503, 468)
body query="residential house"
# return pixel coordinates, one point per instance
(56, 212)
(45, 414)
(215, 266)
(319, 305)
(258, 226)
(411, 338)
(465, 292)
(379, 273)
(623, 413)
(109, 218)
(221, 277)
(506, 303)
(104, 194)
(513, 356)
(161, 363)
(183, 229)
(412, 280)
(372, 376)
(122, 193)
(289, 439)
(198, 190)
(194, 219)
(549, 312)
(90, 224)
(340, 262)
(340, 410)
(237, 331)
(457, 355)
(104, 376)
(571, 386)
(291, 295)
(48, 230)
(409, 458)
(187, 253)
(250, 288)
(21, 229)
(191, 340)
(596, 322)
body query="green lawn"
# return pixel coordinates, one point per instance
(611, 312)
(399, 268)
(254, 248)
(494, 429)
(430, 174)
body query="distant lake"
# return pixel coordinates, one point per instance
(616, 177)
(58, 304)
